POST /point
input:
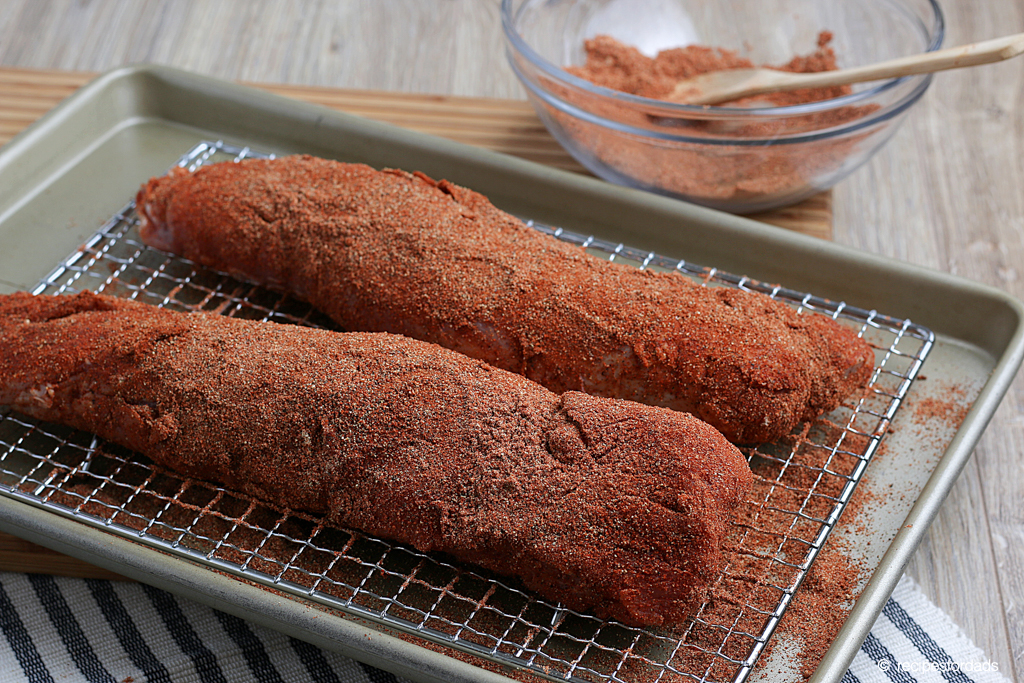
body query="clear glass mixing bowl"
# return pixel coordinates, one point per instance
(736, 159)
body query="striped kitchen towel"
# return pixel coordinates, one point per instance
(914, 641)
(94, 631)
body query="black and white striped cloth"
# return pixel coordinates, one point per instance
(94, 631)
(913, 641)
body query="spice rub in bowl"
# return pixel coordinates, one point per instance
(615, 65)
(746, 157)
(612, 64)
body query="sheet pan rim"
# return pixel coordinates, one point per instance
(23, 520)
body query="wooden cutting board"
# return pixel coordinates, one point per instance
(508, 126)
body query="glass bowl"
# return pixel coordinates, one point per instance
(738, 159)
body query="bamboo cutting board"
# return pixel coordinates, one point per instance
(508, 126)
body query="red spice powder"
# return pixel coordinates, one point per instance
(818, 609)
(618, 66)
(949, 410)
(730, 176)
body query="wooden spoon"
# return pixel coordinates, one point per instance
(733, 84)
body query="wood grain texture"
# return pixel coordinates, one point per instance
(18, 555)
(507, 126)
(946, 192)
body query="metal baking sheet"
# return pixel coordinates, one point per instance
(86, 157)
(805, 483)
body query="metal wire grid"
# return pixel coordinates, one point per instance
(803, 483)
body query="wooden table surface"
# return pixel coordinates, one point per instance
(947, 192)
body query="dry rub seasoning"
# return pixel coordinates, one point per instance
(714, 172)
(614, 65)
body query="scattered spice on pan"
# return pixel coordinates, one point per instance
(947, 409)
(819, 609)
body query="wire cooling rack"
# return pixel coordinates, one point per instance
(803, 483)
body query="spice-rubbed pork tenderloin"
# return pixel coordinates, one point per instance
(604, 505)
(398, 252)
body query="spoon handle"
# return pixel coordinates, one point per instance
(985, 52)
